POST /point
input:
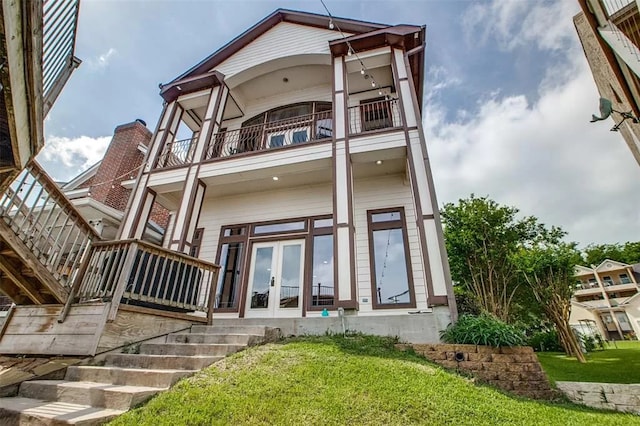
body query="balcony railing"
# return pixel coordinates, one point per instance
(623, 22)
(176, 153)
(275, 134)
(137, 273)
(375, 115)
(60, 21)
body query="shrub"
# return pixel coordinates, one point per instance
(545, 341)
(483, 330)
(591, 342)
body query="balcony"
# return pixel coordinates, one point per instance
(374, 116)
(270, 135)
(367, 117)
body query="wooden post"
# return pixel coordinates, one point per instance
(75, 287)
(122, 280)
(7, 319)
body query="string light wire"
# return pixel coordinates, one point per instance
(350, 50)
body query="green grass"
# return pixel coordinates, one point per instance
(355, 380)
(621, 365)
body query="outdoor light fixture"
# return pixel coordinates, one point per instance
(378, 162)
(275, 178)
(606, 109)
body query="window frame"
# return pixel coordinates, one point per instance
(388, 225)
(318, 232)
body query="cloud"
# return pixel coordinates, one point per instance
(65, 158)
(102, 61)
(518, 23)
(437, 80)
(544, 158)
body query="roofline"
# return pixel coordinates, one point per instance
(279, 15)
(82, 177)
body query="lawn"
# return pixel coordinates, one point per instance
(354, 380)
(621, 365)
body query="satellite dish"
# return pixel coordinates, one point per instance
(606, 108)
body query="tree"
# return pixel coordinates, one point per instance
(594, 254)
(481, 238)
(548, 269)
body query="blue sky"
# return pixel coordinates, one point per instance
(508, 97)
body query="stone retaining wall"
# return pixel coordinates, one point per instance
(514, 369)
(611, 396)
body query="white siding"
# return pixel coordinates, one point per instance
(258, 207)
(285, 39)
(376, 193)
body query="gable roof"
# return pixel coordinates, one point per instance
(280, 15)
(610, 265)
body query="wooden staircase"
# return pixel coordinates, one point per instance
(93, 395)
(43, 239)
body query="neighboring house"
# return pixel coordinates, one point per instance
(608, 295)
(295, 159)
(101, 192)
(610, 38)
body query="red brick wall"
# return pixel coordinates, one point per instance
(122, 161)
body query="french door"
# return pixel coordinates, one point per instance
(275, 279)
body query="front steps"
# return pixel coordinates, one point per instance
(93, 395)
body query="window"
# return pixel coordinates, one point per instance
(287, 125)
(391, 280)
(196, 242)
(607, 281)
(593, 283)
(624, 279)
(232, 250)
(280, 227)
(375, 114)
(322, 286)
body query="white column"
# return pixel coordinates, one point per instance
(342, 191)
(187, 215)
(433, 253)
(136, 206)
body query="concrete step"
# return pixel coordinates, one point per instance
(190, 349)
(235, 339)
(259, 330)
(156, 378)
(26, 411)
(161, 361)
(117, 397)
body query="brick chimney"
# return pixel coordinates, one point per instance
(121, 162)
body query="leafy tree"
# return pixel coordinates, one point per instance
(481, 238)
(548, 269)
(594, 254)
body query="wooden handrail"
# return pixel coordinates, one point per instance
(56, 193)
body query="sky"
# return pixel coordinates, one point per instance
(507, 100)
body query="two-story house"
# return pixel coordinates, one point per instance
(294, 157)
(608, 296)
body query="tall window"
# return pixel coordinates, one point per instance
(391, 280)
(322, 283)
(232, 250)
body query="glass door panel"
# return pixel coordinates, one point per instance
(290, 282)
(260, 284)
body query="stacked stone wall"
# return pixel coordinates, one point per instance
(513, 369)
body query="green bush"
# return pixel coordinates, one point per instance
(483, 330)
(545, 341)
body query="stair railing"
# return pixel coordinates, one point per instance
(47, 226)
